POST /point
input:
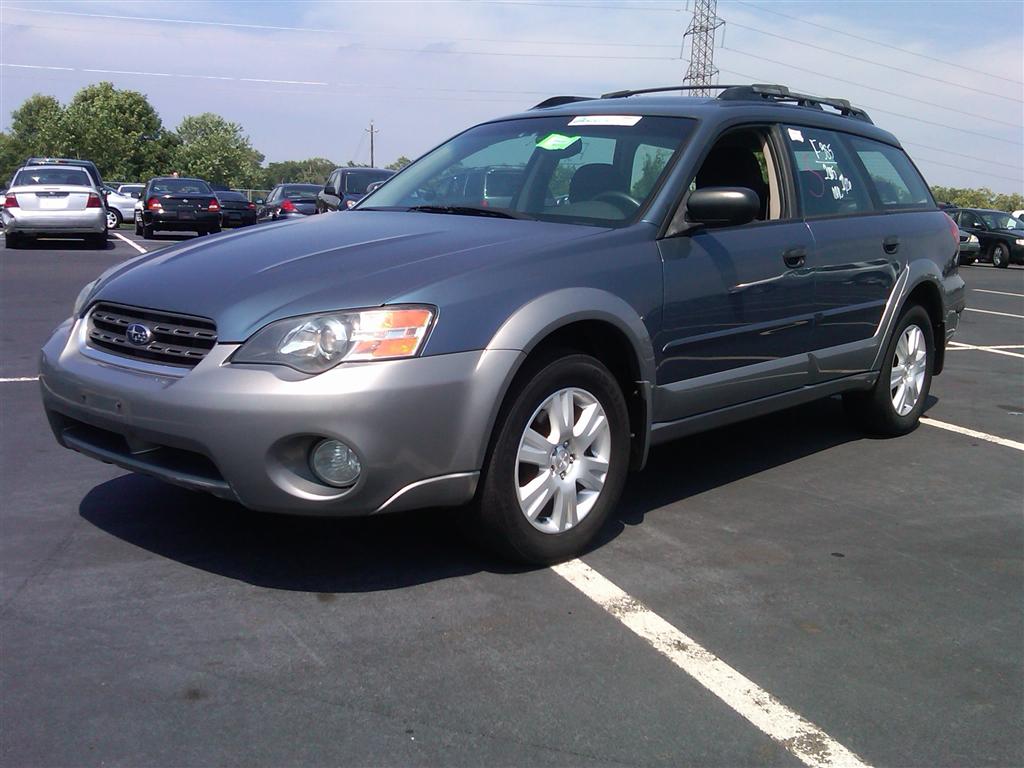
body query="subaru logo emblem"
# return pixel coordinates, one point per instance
(138, 334)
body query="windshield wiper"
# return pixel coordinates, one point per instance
(469, 210)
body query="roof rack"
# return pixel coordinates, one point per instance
(756, 92)
(782, 94)
(557, 101)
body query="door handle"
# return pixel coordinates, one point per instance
(795, 257)
(891, 244)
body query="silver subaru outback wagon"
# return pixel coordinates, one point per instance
(658, 265)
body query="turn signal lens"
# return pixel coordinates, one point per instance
(287, 205)
(10, 201)
(153, 204)
(213, 206)
(93, 201)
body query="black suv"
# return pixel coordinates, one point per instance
(347, 186)
(1000, 234)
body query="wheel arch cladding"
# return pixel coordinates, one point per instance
(926, 294)
(604, 327)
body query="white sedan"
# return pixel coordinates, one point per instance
(54, 201)
(119, 207)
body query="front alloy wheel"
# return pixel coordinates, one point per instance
(1000, 256)
(558, 460)
(113, 219)
(563, 460)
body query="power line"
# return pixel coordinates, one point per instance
(328, 30)
(755, 79)
(969, 170)
(907, 51)
(875, 63)
(958, 154)
(870, 87)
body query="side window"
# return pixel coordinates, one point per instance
(826, 175)
(893, 176)
(968, 219)
(648, 163)
(335, 181)
(743, 158)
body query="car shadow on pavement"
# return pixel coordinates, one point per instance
(365, 554)
(61, 244)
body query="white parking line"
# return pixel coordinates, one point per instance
(1000, 350)
(19, 378)
(1003, 441)
(1001, 293)
(990, 312)
(802, 738)
(132, 243)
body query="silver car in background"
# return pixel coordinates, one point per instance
(119, 207)
(54, 201)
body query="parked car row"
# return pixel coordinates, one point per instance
(998, 237)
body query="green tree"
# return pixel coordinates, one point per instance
(116, 129)
(979, 198)
(37, 128)
(216, 150)
(399, 164)
(312, 171)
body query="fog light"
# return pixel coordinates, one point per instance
(335, 463)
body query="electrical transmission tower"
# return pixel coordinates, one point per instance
(702, 46)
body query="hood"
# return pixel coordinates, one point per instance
(321, 263)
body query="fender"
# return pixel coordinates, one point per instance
(537, 319)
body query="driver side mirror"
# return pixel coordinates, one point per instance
(723, 206)
(330, 190)
(259, 201)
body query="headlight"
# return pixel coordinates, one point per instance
(972, 239)
(1020, 241)
(315, 343)
(83, 296)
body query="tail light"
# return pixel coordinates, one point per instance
(954, 229)
(251, 206)
(213, 206)
(153, 204)
(10, 201)
(94, 201)
(288, 206)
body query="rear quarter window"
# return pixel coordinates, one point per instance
(895, 180)
(827, 177)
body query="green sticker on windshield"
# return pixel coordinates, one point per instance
(556, 141)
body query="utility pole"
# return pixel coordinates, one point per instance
(371, 130)
(701, 32)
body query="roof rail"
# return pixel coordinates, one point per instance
(662, 89)
(780, 93)
(557, 101)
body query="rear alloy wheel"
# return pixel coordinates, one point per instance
(113, 218)
(558, 463)
(895, 404)
(1000, 256)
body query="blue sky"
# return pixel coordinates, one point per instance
(305, 78)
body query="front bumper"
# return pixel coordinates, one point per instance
(420, 426)
(970, 249)
(87, 222)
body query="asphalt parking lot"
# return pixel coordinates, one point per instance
(874, 587)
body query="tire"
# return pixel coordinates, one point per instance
(876, 410)
(113, 218)
(147, 231)
(12, 240)
(1000, 256)
(213, 230)
(497, 516)
(966, 260)
(138, 227)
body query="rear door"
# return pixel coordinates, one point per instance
(857, 255)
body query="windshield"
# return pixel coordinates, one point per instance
(356, 182)
(595, 169)
(299, 191)
(180, 187)
(48, 176)
(1001, 221)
